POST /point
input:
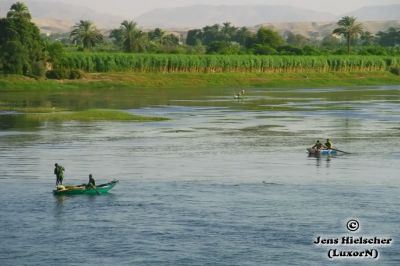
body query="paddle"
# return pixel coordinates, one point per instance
(342, 151)
(98, 193)
(90, 186)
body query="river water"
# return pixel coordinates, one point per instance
(223, 182)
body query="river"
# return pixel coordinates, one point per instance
(223, 182)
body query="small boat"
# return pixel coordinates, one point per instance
(84, 189)
(314, 151)
(240, 95)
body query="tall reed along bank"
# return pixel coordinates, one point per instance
(117, 62)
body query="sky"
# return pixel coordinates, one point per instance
(133, 8)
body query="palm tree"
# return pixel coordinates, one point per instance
(157, 35)
(367, 38)
(133, 39)
(19, 10)
(140, 43)
(349, 28)
(128, 30)
(228, 31)
(85, 33)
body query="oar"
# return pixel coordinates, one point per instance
(95, 189)
(341, 151)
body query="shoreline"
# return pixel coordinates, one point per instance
(144, 80)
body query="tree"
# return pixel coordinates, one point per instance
(170, 40)
(349, 28)
(140, 43)
(156, 35)
(19, 10)
(391, 37)
(242, 35)
(212, 34)
(86, 34)
(15, 58)
(116, 36)
(289, 50)
(129, 37)
(367, 38)
(21, 48)
(296, 39)
(267, 37)
(226, 38)
(264, 49)
(228, 31)
(194, 37)
(55, 52)
(330, 41)
(223, 47)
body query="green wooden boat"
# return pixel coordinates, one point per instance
(83, 189)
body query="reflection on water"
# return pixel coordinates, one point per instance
(319, 159)
(11, 121)
(221, 183)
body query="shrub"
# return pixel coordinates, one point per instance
(395, 70)
(75, 74)
(38, 69)
(57, 74)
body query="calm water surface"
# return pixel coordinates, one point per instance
(223, 182)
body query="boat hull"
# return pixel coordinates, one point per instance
(83, 190)
(321, 152)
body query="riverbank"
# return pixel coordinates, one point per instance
(39, 114)
(105, 96)
(205, 80)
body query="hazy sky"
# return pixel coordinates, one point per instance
(131, 8)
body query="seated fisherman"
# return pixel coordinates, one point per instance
(317, 145)
(91, 183)
(328, 145)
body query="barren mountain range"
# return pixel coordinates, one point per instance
(59, 17)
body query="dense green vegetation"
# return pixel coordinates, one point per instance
(216, 48)
(108, 62)
(21, 48)
(228, 39)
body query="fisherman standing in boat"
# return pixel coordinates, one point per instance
(59, 172)
(91, 183)
(329, 144)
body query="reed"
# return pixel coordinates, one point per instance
(171, 63)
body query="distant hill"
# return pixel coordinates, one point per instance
(319, 30)
(55, 17)
(246, 15)
(390, 12)
(59, 17)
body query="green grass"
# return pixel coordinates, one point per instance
(37, 110)
(91, 115)
(130, 80)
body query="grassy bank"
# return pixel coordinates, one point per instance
(136, 80)
(89, 116)
(42, 114)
